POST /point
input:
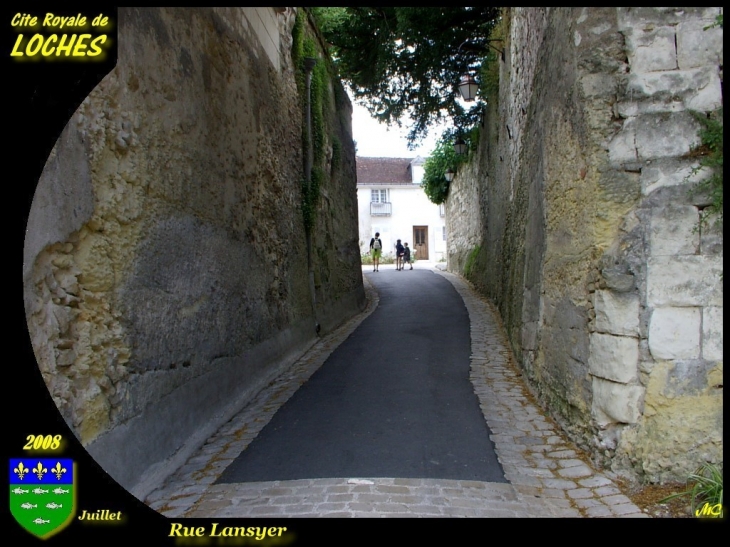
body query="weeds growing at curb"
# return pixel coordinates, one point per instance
(704, 487)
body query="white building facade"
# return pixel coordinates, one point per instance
(391, 201)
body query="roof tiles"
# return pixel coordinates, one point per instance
(384, 171)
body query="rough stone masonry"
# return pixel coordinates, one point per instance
(166, 266)
(577, 220)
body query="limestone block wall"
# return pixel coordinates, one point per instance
(674, 421)
(589, 241)
(166, 267)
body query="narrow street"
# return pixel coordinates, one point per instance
(198, 324)
(392, 416)
(393, 400)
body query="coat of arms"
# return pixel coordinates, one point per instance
(42, 494)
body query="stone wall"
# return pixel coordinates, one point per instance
(575, 217)
(166, 263)
(672, 389)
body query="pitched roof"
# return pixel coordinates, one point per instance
(384, 170)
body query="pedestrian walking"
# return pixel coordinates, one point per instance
(376, 249)
(407, 255)
(399, 249)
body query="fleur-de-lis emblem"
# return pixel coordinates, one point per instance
(58, 470)
(21, 471)
(39, 470)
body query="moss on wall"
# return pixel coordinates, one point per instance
(471, 259)
(333, 237)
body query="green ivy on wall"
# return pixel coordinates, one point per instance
(304, 46)
(310, 196)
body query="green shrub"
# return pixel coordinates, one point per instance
(442, 159)
(367, 259)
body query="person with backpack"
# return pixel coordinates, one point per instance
(399, 250)
(407, 255)
(376, 249)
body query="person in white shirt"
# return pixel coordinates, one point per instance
(376, 249)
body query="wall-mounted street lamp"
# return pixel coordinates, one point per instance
(468, 87)
(449, 175)
(460, 146)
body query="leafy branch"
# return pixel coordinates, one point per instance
(717, 23)
(443, 158)
(404, 62)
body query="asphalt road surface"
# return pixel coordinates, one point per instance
(393, 400)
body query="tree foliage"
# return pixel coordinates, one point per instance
(441, 160)
(405, 62)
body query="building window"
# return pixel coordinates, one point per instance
(378, 196)
(442, 209)
(443, 231)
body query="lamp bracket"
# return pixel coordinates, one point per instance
(480, 48)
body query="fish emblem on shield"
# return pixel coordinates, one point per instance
(43, 494)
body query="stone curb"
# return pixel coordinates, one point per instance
(537, 458)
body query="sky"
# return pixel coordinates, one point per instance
(375, 139)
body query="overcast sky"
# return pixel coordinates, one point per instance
(377, 140)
